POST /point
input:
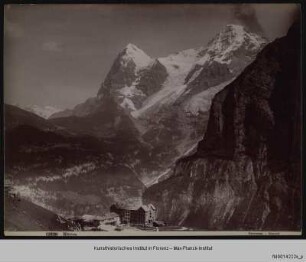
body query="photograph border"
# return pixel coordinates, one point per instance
(124, 237)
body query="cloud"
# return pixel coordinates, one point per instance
(246, 15)
(52, 46)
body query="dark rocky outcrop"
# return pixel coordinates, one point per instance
(151, 79)
(210, 75)
(246, 173)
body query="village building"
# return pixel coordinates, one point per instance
(144, 215)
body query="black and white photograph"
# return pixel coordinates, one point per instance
(152, 119)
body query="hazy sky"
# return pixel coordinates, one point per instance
(59, 54)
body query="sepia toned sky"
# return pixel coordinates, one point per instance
(58, 55)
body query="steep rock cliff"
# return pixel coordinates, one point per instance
(246, 173)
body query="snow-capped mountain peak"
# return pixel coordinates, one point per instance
(232, 38)
(177, 66)
(142, 85)
(221, 60)
(132, 53)
(132, 47)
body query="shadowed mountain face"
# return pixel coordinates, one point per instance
(246, 172)
(66, 173)
(107, 119)
(17, 117)
(22, 215)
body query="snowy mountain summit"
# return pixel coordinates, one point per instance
(232, 42)
(143, 85)
(132, 53)
(194, 70)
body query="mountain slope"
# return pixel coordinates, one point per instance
(106, 120)
(194, 70)
(16, 116)
(22, 215)
(42, 111)
(65, 173)
(246, 173)
(195, 76)
(141, 96)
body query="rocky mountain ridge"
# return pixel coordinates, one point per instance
(142, 95)
(42, 111)
(128, 80)
(246, 172)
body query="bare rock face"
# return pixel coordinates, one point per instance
(210, 70)
(227, 54)
(246, 173)
(152, 78)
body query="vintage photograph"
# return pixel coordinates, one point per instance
(152, 119)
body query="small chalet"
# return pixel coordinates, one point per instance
(143, 215)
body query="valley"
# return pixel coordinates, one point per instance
(201, 135)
